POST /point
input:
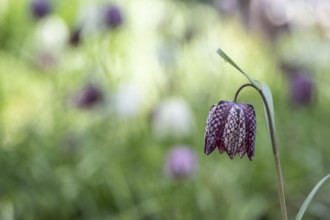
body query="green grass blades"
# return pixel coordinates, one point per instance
(229, 60)
(310, 197)
(269, 97)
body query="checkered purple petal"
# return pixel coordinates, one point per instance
(215, 126)
(231, 127)
(251, 124)
(234, 133)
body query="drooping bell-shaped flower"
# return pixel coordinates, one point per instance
(301, 84)
(113, 16)
(301, 88)
(88, 97)
(181, 162)
(75, 36)
(231, 127)
(40, 8)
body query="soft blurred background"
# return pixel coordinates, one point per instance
(103, 107)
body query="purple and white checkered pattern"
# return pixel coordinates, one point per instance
(231, 127)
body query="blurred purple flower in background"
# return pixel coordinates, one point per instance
(301, 88)
(301, 85)
(40, 8)
(88, 97)
(46, 60)
(75, 36)
(181, 162)
(113, 16)
(227, 7)
(231, 127)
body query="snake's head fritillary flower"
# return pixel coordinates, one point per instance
(40, 8)
(181, 162)
(88, 97)
(301, 88)
(173, 119)
(301, 84)
(113, 16)
(231, 127)
(128, 100)
(75, 36)
(52, 34)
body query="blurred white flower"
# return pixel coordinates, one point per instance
(128, 100)
(181, 162)
(52, 34)
(173, 118)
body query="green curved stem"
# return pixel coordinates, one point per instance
(240, 89)
(275, 149)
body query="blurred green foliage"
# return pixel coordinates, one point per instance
(59, 161)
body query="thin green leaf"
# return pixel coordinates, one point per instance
(310, 197)
(227, 58)
(269, 97)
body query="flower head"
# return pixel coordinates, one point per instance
(113, 16)
(40, 8)
(173, 118)
(52, 34)
(88, 97)
(231, 127)
(301, 88)
(128, 100)
(181, 162)
(75, 36)
(301, 84)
